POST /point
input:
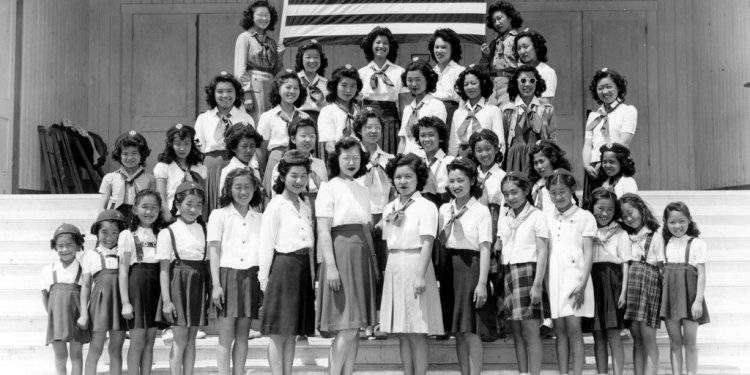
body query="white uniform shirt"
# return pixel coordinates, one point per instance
(239, 236)
(429, 107)
(126, 244)
(235, 163)
(624, 185)
(420, 219)
(175, 175)
(519, 246)
(489, 117)
(65, 275)
(331, 123)
(317, 166)
(545, 200)
(206, 123)
(615, 248)
(655, 251)
(439, 169)
(550, 79)
(676, 247)
(189, 239)
(345, 201)
(274, 129)
(92, 261)
(377, 182)
(283, 229)
(476, 225)
(492, 184)
(322, 85)
(622, 119)
(447, 81)
(383, 92)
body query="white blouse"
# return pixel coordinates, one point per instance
(383, 92)
(475, 223)
(92, 260)
(676, 247)
(489, 116)
(174, 175)
(345, 201)
(447, 81)
(189, 240)
(126, 244)
(239, 236)
(429, 106)
(65, 275)
(283, 229)
(206, 123)
(623, 119)
(420, 219)
(519, 245)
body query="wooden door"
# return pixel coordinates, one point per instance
(7, 91)
(618, 40)
(562, 30)
(159, 85)
(217, 34)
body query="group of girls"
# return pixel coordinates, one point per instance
(436, 240)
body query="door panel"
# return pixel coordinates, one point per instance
(161, 72)
(217, 34)
(618, 40)
(7, 87)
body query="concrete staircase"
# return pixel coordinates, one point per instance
(27, 221)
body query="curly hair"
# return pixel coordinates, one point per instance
(537, 40)
(627, 165)
(369, 40)
(295, 125)
(430, 76)
(247, 15)
(447, 35)
(134, 221)
(601, 194)
(432, 122)
(414, 162)
(344, 144)
(507, 8)
(292, 158)
(565, 179)
(617, 78)
(181, 196)
(361, 120)
(647, 216)
(469, 169)
(485, 135)
(245, 132)
(281, 79)
(131, 139)
(98, 225)
(225, 199)
(523, 183)
(679, 206)
(553, 152)
(168, 155)
(514, 91)
(223, 77)
(337, 76)
(312, 45)
(486, 84)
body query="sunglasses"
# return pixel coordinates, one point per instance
(523, 81)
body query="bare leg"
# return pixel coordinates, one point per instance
(561, 345)
(462, 352)
(674, 330)
(344, 346)
(226, 337)
(652, 350)
(188, 363)
(639, 354)
(148, 352)
(575, 342)
(690, 334)
(476, 353)
(520, 345)
(96, 347)
(404, 346)
(177, 353)
(114, 349)
(276, 353)
(600, 350)
(61, 357)
(618, 351)
(76, 358)
(239, 350)
(533, 345)
(135, 351)
(419, 352)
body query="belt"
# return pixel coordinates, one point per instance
(302, 251)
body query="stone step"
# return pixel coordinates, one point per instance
(48, 202)
(660, 198)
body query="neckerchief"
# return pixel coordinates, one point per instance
(314, 179)
(380, 74)
(445, 233)
(603, 119)
(482, 177)
(311, 87)
(224, 124)
(515, 221)
(375, 171)
(396, 217)
(282, 115)
(266, 52)
(470, 125)
(527, 118)
(413, 119)
(642, 236)
(349, 126)
(130, 183)
(603, 234)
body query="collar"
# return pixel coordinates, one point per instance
(494, 170)
(113, 251)
(301, 74)
(567, 214)
(451, 65)
(519, 102)
(482, 103)
(252, 31)
(426, 100)
(680, 240)
(125, 174)
(440, 154)
(237, 162)
(470, 205)
(616, 104)
(526, 207)
(278, 110)
(234, 113)
(58, 265)
(374, 66)
(397, 206)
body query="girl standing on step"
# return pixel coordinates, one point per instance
(474, 86)
(232, 237)
(609, 274)
(180, 161)
(421, 81)
(287, 263)
(546, 156)
(643, 294)
(336, 119)
(310, 64)
(683, 306)
(572, 230)
(119, 188)
(466, 233)
(184, 275)
(522, 242)
(139, 279)
(411, 303)
(349, 273)
(104, 306)
(61, 295)
(617, 169)
(241, 142)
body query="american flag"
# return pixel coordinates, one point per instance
(346, 22)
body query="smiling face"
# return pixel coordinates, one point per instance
(225, 95)
(429, 139)
(372, 131)
(678, 223)
(108, 234)
(416, 82)
(305, 138)
(526, 85)
(472, 87)
(515, 197)
(442, 51)
(607, 91)
(502, 22)
(261, 18)
(631, 216)
(130, 158)
(526, 50)
(346, 89)
(181, 147)
(245, 150)
(542, 165)
(485, 152)
(191, 208)
(311, 61)
(295, 180)
(289, 91)
(604, 212)
(147, 211)
(242, 190)
(66, 247)
(562, 196)
(381, 46)
(349, 162)
(610, 164)
(459, 183)
(405, 180)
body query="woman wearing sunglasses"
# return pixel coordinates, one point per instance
(526, 119)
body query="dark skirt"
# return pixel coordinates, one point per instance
(381, 253)
(607, 281)
(589, 184)
(353, 306)
(63, 311)
(214, 161)
(289, 299)
(241, 294)
(517, 157)
(190, 289)
(145, 291)
(450, 108)
(643, 294)
(679, 288)
(461, 314)
(518, 280)
(391, 123)
(105, 305)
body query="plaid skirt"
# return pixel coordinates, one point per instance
(643, 296)
(518, 280)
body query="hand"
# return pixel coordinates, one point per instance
(169, 311)
(485, 48)
(536, 294)
(167, 217)
(333, 279)
(591, 171)
(621, 302)
(577, 296)
(280, 48)
(697, 310)
(249, 105)
(218, 297)
(83, 322)
(418, 286)
(263, 285)
(127, 311)
(480, 295)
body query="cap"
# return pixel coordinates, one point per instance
(617, 148)
(112, 215)
(66, 228)
(175, 129)
(188, 185)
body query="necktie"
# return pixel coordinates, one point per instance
(413, 119)
(397, 217)
(453, 221)
(349, 126)
(224, 124)
(379, 74)
(470, 124)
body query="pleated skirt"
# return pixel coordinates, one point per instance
(607, 280)
(145, 292)
(63, 311)
(679, 287)
(643, 296)
(518, 280)
(461, 314)
(105, 305)
(241, 294)
(190, 289)
(289, 300)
